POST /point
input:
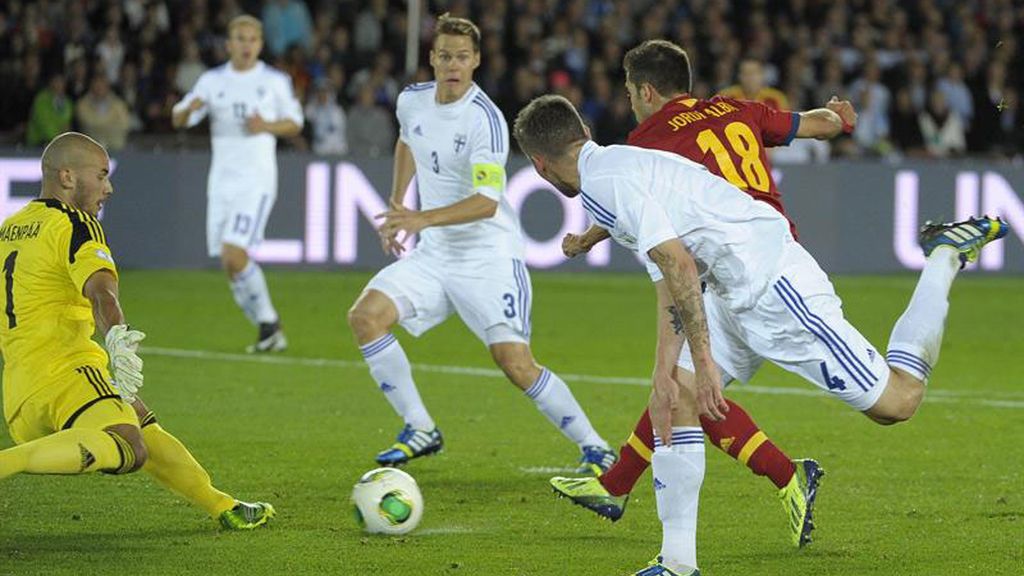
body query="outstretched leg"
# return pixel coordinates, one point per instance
(553, 398)
(116, 449)
(172, 465)
(917, 336)
(104, 437)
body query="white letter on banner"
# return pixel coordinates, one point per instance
(318, 213)
(1000, 199)
(353, 195)
(28, 170)
(548, 254)
(16, 170)
(905, 215)
(966, 200)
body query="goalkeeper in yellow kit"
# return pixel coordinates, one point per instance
(64, 412)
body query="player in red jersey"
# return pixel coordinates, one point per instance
(730, 138)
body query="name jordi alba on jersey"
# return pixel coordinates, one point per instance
(449, 141)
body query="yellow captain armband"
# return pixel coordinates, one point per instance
(489, 176)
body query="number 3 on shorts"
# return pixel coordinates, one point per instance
(510, 301)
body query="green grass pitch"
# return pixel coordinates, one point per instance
(941, 495)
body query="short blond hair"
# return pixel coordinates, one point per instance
(245, 20)
(454, 26)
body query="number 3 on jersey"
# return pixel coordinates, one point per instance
(433, 162)
(510, 305)
(744, 144)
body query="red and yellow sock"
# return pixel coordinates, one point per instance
(634, 459)
(739, 437)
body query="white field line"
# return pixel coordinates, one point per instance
(990, 399)
(445, 530)
(547, 470)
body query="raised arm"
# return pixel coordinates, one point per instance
(476, 207)
(488, 153)
(182, 111)
(683, 286)
(288, 112)
(576, 244)
(837, 117)
(399, 219)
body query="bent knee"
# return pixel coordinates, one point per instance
(363, 321)
(517, 366)
(519, 371)
(131, 448)
(233, 260)
(898, 404)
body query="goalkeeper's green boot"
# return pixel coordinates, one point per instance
(590, 494)
(246, 516)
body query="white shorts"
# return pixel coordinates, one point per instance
(797, 324)
(492, 298)
(239, 219)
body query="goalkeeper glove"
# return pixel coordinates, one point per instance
(122, 344)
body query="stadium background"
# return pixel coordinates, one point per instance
(940, 495)
(935, 83)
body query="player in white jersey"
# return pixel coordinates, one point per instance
(250, 105)
(469, 259)
(771, 299)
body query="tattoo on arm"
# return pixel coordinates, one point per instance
(685, 290)
(676, 319)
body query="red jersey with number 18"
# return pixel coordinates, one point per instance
(727, 136)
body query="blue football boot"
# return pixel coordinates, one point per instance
(966, 237)
(596, 460)
(411, 443)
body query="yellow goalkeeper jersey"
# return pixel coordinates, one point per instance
(48, 250)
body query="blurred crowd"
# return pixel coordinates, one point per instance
(933, 78)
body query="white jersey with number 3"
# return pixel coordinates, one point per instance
(242, 160)
(460, 150)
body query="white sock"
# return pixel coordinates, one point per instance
(250, 290)
(390, 368)
(554, 399)
(678, 475)
(917, 336)
(241, 293)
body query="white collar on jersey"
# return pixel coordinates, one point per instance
(458, 104)
(589, 147)
(258, 67)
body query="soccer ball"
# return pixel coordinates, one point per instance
(387, 501)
